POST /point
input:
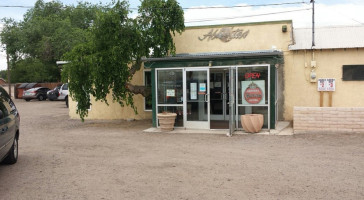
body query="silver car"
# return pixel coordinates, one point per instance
(63, 93)
(9, 129)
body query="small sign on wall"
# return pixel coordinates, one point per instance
(326, 84)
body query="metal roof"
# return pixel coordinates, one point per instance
(210, 55)
(329, 38)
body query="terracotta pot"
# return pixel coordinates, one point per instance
(252, 123)
(166, 121)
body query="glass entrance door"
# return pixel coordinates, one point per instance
(219, 98)
(197, 96)
(219, 94)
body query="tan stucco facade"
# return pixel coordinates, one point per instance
(300, 91)
(99, 110)
(297, 88)
(249, 37)
(259, 36)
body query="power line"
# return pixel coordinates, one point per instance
(244, 6)
(239, 17)
(191, 8)
(246, 16)
(16, 6)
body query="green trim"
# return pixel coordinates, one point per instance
(216, 62)
(154, 106)
(272, 96)
(241, 24)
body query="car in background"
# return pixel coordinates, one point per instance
(63, 93)
(53, 94)
(9, 129)
(39, 93)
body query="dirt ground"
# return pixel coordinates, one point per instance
(67, 159)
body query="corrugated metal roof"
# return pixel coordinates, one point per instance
(217, 55)
(329, 38)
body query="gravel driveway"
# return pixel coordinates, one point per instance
(67, 159)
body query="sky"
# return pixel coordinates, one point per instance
(205, 12)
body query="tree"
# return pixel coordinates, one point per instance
(108, 61)
(3, 74)
(47, 32)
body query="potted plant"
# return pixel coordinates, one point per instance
(166, 120)
(252, 123)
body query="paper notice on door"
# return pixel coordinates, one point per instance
(171, 93)
(193, 90)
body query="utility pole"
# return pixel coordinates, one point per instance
(9, 82)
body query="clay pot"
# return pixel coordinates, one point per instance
(166, 121)
(252, 123)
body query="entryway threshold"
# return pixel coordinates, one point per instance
(188, 131)
(219, 131)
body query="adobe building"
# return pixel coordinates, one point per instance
(221, 72)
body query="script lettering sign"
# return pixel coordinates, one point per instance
(225, 34)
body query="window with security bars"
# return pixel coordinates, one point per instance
(353, 73)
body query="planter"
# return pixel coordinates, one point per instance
(252, 123)
(166, 121)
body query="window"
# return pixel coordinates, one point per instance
(170, 93)
(253, 91)
(65, 86)
(148, 83)
(353, 73)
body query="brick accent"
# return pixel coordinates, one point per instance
(328, 120)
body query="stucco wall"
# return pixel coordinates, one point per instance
(299, 91)
(100, 110)
(261, 36)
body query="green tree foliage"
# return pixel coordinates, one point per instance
(107, 62)
(3, 74)
(47, 32)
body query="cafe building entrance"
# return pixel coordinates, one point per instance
(212, 92)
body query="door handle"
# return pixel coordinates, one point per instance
(206, 97)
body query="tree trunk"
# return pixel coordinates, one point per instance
(139, 89)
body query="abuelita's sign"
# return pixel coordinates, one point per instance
(225, 34)
(326, 84)
(253, 92)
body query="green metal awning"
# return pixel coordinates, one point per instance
(217, 59)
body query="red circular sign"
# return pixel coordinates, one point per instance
(253, 94)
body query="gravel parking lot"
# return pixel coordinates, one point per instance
(61, 158)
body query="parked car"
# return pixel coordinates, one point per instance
(63, 93)
(39, 93)
(54, 93)
(9, 129)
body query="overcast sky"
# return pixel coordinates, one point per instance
(327, 12)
